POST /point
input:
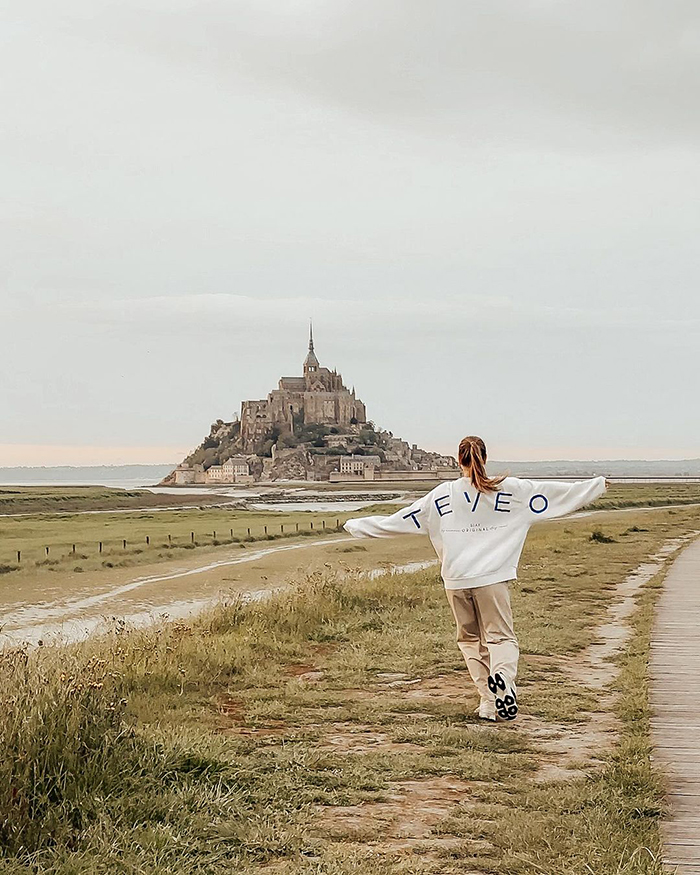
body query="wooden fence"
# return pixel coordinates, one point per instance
(187, 540)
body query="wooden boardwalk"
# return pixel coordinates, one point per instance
(675, 701)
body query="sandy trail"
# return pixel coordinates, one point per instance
(569, 750)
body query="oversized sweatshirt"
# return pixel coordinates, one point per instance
(479, 536)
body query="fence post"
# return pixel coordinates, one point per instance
(73, 550)
(248, 532)
(232, 533)
(170, 539)
(124, 543)
(324, 524)
(192, 537)
(215, 534)
(337, 523)
(281, 529)
(265, 527)
(297, 526)
(148, 540)
(47, 550)
(312, 525)
(19, 556)
(100, 546)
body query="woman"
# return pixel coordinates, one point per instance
(478, 525)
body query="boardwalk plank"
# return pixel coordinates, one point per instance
(674, 673)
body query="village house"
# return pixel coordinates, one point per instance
(234, 470)
(359, 466)
(215, 474)
(234, 467)
(186, 474)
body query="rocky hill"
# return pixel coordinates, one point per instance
(312, 452)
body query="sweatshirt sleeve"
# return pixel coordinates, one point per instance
(548, 499)
(412, 520)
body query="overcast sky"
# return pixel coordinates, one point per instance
(490, 209)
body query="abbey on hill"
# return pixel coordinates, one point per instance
(317, 397)
(310, 427)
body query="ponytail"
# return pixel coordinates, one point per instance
(472, 458)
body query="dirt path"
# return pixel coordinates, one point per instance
(414, 817)
(675, 699)
(568, 750)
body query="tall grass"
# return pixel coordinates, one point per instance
(71, 745)
(63, 739)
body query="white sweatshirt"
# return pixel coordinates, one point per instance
(479, 537)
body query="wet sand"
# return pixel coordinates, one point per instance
(69, 606)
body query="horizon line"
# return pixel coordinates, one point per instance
(497, 461)
(71, 455)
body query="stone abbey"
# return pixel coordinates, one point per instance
(311, 427)
(318, 396)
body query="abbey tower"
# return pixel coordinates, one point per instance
(318, 396)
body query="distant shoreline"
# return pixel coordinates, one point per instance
(141, 476)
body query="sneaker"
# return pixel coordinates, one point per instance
(505, 696)
(486, 710)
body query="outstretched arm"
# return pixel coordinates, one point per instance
(412, 520)
(549, 499)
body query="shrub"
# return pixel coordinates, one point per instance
(601, 538)
(287, 441)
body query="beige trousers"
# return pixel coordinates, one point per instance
(485, 632)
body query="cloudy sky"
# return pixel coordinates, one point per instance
(490, 210)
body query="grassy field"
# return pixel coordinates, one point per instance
(648, 495)
(73, 539)
(329, 731)
(149, 537)
(75, 499)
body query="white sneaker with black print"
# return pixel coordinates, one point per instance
(505, 696)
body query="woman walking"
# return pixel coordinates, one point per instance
(478, 525)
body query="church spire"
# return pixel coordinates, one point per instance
(310, 362)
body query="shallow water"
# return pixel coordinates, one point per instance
(288, 499)
(142, 598)
(319, 506)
